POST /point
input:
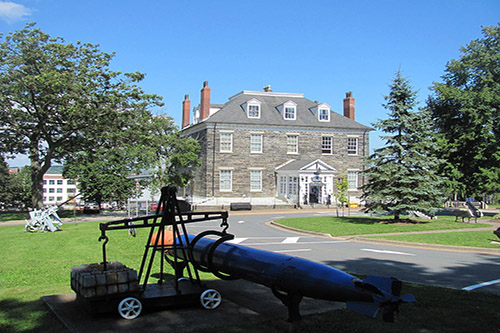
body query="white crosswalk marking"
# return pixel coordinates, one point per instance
(388, 252)
(237, 240)
(290, 240)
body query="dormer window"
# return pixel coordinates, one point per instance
(288, 110)
(322, 112)
(253, 108)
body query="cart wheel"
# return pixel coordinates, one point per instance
(210, 299)
(130, 308)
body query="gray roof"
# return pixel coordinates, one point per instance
(55, 170)
(233, 112)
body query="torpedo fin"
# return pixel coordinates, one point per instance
(386, 294)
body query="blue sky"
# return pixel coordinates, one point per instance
(320, 48)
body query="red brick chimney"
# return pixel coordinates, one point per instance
(186, 107)
(205, 101)
(349, 105)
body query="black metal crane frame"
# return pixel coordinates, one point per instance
(167, 214)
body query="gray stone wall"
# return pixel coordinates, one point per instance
(241, 161)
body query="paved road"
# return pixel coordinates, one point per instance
(447, 268)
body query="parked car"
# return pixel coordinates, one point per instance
(91, 208)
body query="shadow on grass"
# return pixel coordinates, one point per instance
(31, 316)
(376, 220)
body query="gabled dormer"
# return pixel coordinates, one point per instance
(321, 112)
(253, 108)
(288, 110)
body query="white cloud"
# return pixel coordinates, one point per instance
(12, 12)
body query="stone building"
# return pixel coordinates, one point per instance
(273, 148)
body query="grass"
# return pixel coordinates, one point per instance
(436, 310)
(357, 225)
(20, 216)
(38, 264)
(481, 239)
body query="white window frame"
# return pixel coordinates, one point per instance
(293, 186)
(282, 186)
(225, 176)
(224, 142)
(289, 110)
(255, 180)
(327, 114)
(293, 145)
(352, 146)
(253, 111)
(253, 108)
(256, 141)
(323, 145)
(353, 180)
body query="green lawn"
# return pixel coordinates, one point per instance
(38, 264)
(344, 226)
(436, 310)
(19, 216)
(483, 239)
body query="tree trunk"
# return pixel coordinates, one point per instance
(36, 185)
(37, 171)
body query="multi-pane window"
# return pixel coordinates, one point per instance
(226, 142)
(253, 111)
(324, 115)
(282, 185)
(256, 143)
(59, 182)
(292, 144)
(290, 112)
(352, 179)
(71, 190)
(226, 180)
(51, 190)
(352, 146)
(255, 180)
(52, 182)
(71, 182)
(327, 145)
(293, 185)
(59, 190)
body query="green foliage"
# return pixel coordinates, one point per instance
(403, 174)
(57, 99)
(5, 182)
(21, 186)
(466, 111)
(172, 158)
(341, 187)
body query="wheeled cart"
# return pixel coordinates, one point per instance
(111, 286)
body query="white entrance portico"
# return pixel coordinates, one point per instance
(306, 181)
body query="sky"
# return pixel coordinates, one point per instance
(321, 48)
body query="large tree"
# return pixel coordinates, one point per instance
(5, 183)
(152, 146)
(466, 112)
(58, 98)
(402, 175)
(172, 158)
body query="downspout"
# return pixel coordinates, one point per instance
(213, 160)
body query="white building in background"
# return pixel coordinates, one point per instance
(57, 189)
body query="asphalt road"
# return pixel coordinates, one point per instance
(443, 267)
